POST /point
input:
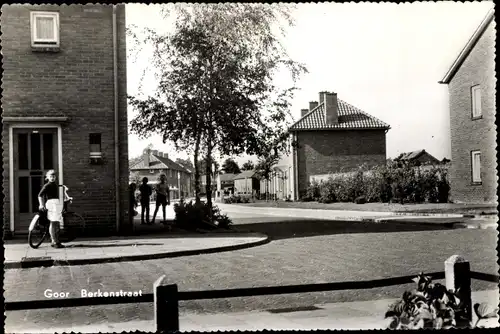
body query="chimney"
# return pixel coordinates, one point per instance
(322, 97)
(146, 157)
(303, 112)
(312, 105)
(165, 155)
(331, 108)
(155, 152)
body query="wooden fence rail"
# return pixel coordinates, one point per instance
(166, 296)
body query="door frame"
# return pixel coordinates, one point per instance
(59, 165)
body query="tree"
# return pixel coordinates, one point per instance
(202, 165)
(186, 163)
(217, 90)
(230, 167)
(249, 165)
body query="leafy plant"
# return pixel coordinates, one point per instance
(193, 215)
(484, 311)
(428, 306)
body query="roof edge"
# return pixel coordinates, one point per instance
(468, 47)
(342, 129)
(310, 112)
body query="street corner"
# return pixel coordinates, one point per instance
(124, 250)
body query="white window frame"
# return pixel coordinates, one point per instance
(45, 42)
(476, 104)
(475, 170)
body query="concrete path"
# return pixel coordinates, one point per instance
(344, 215)
(92, 251)
(332, 316)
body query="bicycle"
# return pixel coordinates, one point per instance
(73, 223)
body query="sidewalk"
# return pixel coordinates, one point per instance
(92, 251)
(347, 315)
(466, 209)
(462, 220)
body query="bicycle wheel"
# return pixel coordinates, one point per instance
(37, 232)
(74, 225)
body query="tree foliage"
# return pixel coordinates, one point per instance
(216, 82)
(249, 165)
(186, 163)
(231, 167)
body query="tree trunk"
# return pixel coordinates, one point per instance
(197, 186)
(208, 173)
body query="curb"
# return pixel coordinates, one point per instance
(49, 262)
(451, 225)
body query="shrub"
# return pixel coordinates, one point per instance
(191, 216)
(395, 182)
(360, 200)
(312, 192)
(327, 191)
(428, 306)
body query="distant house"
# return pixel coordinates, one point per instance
(153, 163)
(418, 158)
(471, 87)
(331, 136)
(247, 182)
(225, 183)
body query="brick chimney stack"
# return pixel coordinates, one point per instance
(146, 156)
(331, 108)
(303, 112)
(312, 105)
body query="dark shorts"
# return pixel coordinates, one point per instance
(161, 199)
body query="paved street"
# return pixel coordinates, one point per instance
(341, 252)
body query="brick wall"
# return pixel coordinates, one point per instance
(76, 82)
(323, 152)
(480, 134)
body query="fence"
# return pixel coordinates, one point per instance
(166, 296)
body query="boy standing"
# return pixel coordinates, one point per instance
(146, 192)
(162, 197)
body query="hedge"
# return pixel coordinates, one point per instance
(391, 183)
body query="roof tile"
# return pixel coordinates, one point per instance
(350, 117)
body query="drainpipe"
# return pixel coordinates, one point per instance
(117, 146)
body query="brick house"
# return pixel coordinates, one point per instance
(332, 136)
(471, 87)
(65, 108)
(418, 158)
(154, 163)
(247, 183)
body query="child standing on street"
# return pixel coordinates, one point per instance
(146, 192)
(49, 201)
(162, 197)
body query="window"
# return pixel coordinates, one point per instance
(476, 101)
(476, 166)
(95, 145)
(45, 29)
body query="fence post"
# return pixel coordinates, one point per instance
(458, 276)
(166, 306)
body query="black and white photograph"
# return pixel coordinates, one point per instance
(249, 166)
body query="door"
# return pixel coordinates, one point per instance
(35, 153)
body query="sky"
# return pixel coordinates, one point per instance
(383, 58)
